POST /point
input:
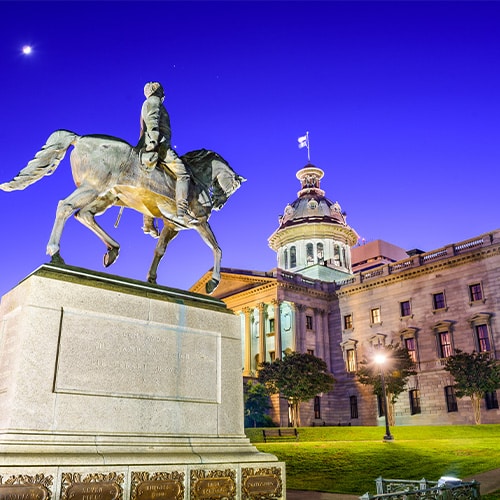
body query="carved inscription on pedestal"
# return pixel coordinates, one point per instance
(92, 486)
(261, 484)
(23, 487)
(157, 486)
(137, 359)
(213, 484)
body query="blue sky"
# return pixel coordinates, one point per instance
(401, 101)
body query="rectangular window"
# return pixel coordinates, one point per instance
(348, 322)
(375, 315)
(405, 308)
(491, 400)
(475, 292)
(451, 399)
(415, 402)
(444, 339)
(483, 338)
(309, 322)
(353, 402)
(438, 301)
(271, 325)
(411, 347)
(272, 355)
(317, 407)
(350, 356)
(310, 351)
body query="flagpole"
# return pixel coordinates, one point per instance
(304, 142)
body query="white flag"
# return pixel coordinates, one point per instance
(303, 141)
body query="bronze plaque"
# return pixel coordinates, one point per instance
(23, 492)
(167, 489)
(263, 483)
(98, 490)
(258, 485)
(219, 487)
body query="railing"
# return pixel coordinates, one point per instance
(298, 279)
(398, 489)
(467, 245)
(399, 266)
(423, 259)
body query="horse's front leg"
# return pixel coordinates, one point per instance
(168, 233)
(87, 217)
(75, 201)
(208, 237)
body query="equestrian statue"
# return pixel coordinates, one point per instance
(108, 171)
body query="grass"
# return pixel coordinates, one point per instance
(349, 459)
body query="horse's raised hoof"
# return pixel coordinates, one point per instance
(57, 260)
(110, 256)
(211, 285)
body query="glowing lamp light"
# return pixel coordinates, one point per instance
(380, 359)
(27, 50)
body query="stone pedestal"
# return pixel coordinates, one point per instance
(116, 389)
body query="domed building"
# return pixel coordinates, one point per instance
(313, 238)
(294, 306)
(340, 301)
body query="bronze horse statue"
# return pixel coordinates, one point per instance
(107, 171)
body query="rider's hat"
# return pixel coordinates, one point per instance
(151, 88)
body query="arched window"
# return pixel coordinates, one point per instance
(309, 253)
(320, 253)
(286, 258)
(293, 256)
(336, 255)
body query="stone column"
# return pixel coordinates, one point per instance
(326, 341)
(293, 326)
(319, 330)
(277, 328)
(300, 327)
(247, 367)
(262, 333)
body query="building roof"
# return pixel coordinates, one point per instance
(310, 207)
(375, 253)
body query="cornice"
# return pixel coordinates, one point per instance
(246, 297)
(312, 292)
(307, 230)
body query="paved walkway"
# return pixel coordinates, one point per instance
(490, 482)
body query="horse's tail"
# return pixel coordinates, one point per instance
(45, 161)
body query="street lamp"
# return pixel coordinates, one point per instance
(380, 359)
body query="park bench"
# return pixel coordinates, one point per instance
(325, 424)
(289, 432)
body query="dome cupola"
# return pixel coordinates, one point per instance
(313, 237)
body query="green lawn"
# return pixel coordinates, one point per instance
(349, 459)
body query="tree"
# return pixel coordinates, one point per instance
(257, 404)
(297, 377)
(397, 370)
(475, 374)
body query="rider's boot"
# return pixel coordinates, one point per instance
(181, 192)
(149, 227)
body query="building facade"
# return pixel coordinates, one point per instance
(339, 301)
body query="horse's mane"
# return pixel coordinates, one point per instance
(201, 157)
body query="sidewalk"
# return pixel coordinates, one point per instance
(317, 495)
(490, 482)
